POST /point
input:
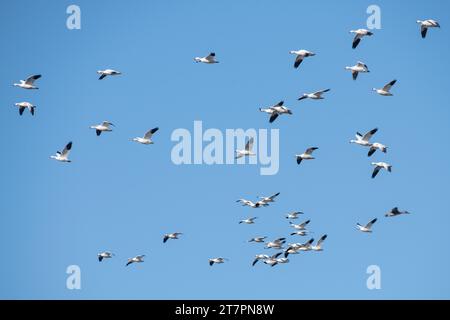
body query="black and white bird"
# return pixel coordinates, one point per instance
(300, 55)
(356, 69)
(300, 233)
(252, 204)
(107, 72)
(300, 226)
(63, 156)
(275, 244)
(137, 259)
(259, 257)
(367, 227)
(173, 235)
(379, 166)
(395, 212)
(269, 199)
(209, 59)
(28, 83)
(258, 239)
(147, 138)
(217, 260)
(104, 255)
(25, 105)
(385, 91)
(276, 110)
(293, 215)
(314, 95)
(364, 140)
(318, 246)
(272, 260)
(248, 220)
(295, 248)
(376, 146)
(247, 151)
(359, 34)
(425, 24)
(307, 155)
(105, 126)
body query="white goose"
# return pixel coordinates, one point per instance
(356, 69)
(211, 58)
(359, 34)
(247, 151)
(275, 244)
(385, 90)
(307, 155)
(107, 72)
(252, 204)
(300, 233)
(300, 55)
(248, 220)
(377, 146)
(64, 155)
(315, 95)
(379, 166)
(318, 246)
(258, 239)
(147, 139)
(173, 235)
(425, 24)
(104, 255)
(395, 212)
(217, 260)
(293, 215)
(260, 257)
(272, 261)
(367, 227)
(137, 259)
(364, 140)
(269, 199)
(300, 226)
(25, 105)
(28, 83)
(295, 248)
(103, 127)
(276, 110)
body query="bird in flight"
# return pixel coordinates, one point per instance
(395, 212)
(209, 59)
(367, 227)
(307, 155)
(300, 55)
(147, 138)
(105, 255)
(425, 24)
(359, 34)
(168, 236)
(63, 156)
(276, 110)
(314, 95)
(247, 151)
(217, 260)
(356, 69)
(28, 83)
(25, 105)
(379, 166)
(107, 72)
(137, 259)
(385, 91)
(103, 127)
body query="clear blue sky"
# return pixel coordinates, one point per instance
(120, 196)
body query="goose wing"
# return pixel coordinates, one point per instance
(388, 86)
(249, 144)
(369, 134)
(149, 133)
(67, 149)
(30, 80)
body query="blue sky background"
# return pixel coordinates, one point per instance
(120, 196)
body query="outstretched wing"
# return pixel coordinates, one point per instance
(310, 150)
(388, 86)
(356, 41)
(369, 134)
(298, 61)
(30, 80)
(149, 133)
(67, 149)
(249, 144)
(370, 224)
(375, 172)
(273, 117)
(423, 31)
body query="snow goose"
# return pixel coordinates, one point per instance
(272, 261)
(318, 246)
(425, 24)
(395, 212)
(247, 151)
(171, 236)
(356, 69)
(367, 227)
(103, 127)
(137, 259)
(276, 110)
(293, 215)
(107, 72)
(315, 95)
(252, 204)
(147, 139)
(300, 55)
(275, 244)
(359, 34)
(64, 155)
(282, 260)
(248, 220)
(25, 105)
(211, 58)
(379, 166)
(364, 140)
(269, 199)
(28, 83)
(385, 90)
(306, 156)
(260, 257)
(217, 260)
(377, 146)
(300, 226)
(104, 255)
(257, 239)
(300, 233)
(295, 248)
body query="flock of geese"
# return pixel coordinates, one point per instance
(280, 257)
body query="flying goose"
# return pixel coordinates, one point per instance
(300, 226)
(275, 244)
(269, 199)
(28, 83)
(424, 25)
(377, 146)
(385, 90)
(217, 260)
(293, 215)
(364, 140)
(315, 95)
(379, 166)
(104, 255)
(295, 248)
(306, 156)
(395, 212)
(257, 239)
(252, 204)
(301, 233)
(248, 221)
(107, 72)
(300, 55)
(171, 236)
(272, 261)
(25, 105)
(318, 246)
(247, 151)
(276, 110)
(137, 259)
(359, 34)
(147, 139)
(367, 227)
(356, 69)
(64, 155)
(211, 58)
(260, 257)
(104, 126)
